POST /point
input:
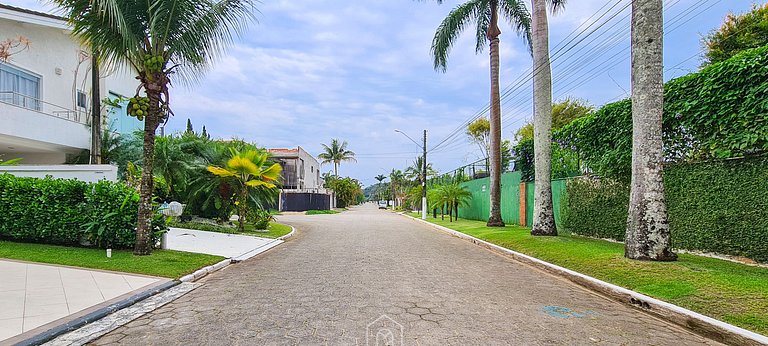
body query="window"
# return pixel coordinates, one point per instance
(82, 99)
(19, 88)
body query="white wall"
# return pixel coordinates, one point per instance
(311, 170)
(88, 173)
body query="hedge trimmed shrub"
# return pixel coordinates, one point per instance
(70, 212)
(717, 206)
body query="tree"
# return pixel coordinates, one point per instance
(190, 129)
(347, 191)
(205, 133)
(647, 236)
(479, 131)
(396, 182)
(159, 40)
(248, 170)
(543, 211)
(485, 13)
(737, 34)
(336, 153)
(414, 171)
(449, 197)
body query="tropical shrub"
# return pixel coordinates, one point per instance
(70, 212)
(348, 191)
(717, 206)
(738, 33)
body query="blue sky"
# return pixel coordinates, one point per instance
(313, 70)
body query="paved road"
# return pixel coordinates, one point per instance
(332, 283)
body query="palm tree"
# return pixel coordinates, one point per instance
(335, 154)
(543, 212)
(396, 179)
(414, 172)
(485, 14)
(380, 178)
(159, 40)
(248, 170)
(647, 236)
(450, 197)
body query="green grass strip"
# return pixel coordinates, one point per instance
(163, 263)
(728, 291)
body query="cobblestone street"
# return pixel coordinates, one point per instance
(349, 278)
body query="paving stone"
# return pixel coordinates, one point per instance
(345, 277)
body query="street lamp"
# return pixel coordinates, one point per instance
(423, 173)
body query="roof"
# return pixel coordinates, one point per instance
(32, 17)
(36, 13)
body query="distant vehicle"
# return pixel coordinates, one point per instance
(382, 204)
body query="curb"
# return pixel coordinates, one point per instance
(205, 271)
(96, 315)
(703, 325)
(293, 230)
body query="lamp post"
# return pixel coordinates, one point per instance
(423, 173)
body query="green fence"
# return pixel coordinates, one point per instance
(479, 207)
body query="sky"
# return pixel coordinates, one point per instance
(308, 71)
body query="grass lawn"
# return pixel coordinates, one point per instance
(319, 212)
(164, 263)
(731, 292)
(275, 230)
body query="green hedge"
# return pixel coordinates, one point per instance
(70, 212)
(718, 112)
(718, 206)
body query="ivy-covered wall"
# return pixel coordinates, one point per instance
(717, 206)
(718, 112)
(70, 212)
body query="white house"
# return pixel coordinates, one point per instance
(301, 185)
(45, 91)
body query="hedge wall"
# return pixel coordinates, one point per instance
(718, 206)
(70, 212)
(718, 112)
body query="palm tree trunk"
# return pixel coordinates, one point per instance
(494, 219)
(336, 169)
(143, 244)
(96, 132)
(647, 236)
(543, 213)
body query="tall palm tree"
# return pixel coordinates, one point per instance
(396, 180)
(647, 236)
(336, 153)
(248, 170)
(380, 178)
(162, 41)
(543, 211)
(485, 14)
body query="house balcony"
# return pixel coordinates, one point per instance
(32, 126)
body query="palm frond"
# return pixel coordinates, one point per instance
(450, 29)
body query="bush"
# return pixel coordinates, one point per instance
(70, 212)
(717, 206)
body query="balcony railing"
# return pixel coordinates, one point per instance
(40, 106)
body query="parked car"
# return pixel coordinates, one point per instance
(382, 204)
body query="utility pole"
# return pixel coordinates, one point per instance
(424, 181)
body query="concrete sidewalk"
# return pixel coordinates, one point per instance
(32, 295)
(235, 246)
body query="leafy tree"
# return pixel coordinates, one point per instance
(161, 41)
(647, 235)
(479, 131)
(737, 34)
(485, 13)
(248, 170)
(397, 183)
(347, 191)
(336, 153)
(205, 133)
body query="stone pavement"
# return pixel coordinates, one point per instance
(370, 277)
(32, 295)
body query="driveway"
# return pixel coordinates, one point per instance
(237, 246)
(366, 275)
(33, 295)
